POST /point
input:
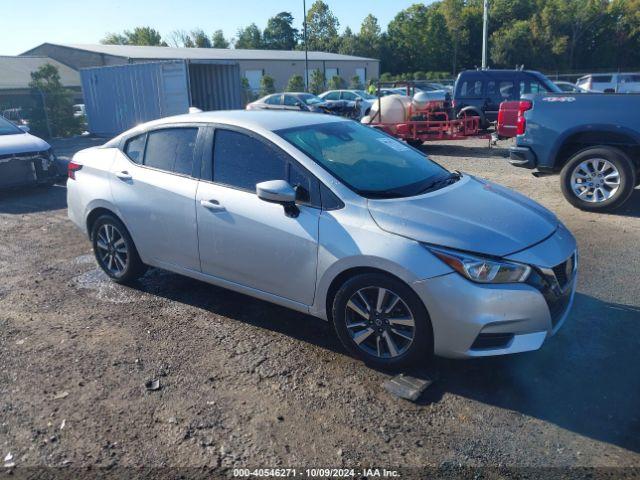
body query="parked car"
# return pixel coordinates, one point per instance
(610, 82)
(592, 141)
(403, 256)
(299, 101)
(15, 116)
(79, 110)
(569, 87)
(480, 92)
(24, 159)
(363, 97)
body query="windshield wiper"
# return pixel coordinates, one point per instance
(441, 182)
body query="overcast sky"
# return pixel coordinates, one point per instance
(26, 25)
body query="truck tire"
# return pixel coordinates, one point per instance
(598, 178)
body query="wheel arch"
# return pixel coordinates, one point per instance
(95, 211)
(578, 139)
(343, 276)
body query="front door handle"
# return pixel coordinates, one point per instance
(212, 205)
(124, 175)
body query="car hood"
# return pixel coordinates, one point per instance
(471, 214)
(21, 143)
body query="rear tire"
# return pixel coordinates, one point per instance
(598, 178)
(115, 251)
(390, 332)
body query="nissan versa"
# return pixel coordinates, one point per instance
(331, 218)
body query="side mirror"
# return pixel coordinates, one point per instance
(24, 128)
(279, 191)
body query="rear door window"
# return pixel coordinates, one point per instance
(349, 96)
(172, 150)
(273, 100)
(332, 96)
(500, 89)
(471, 88)
(601, 79)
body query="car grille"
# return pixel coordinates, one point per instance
(554, 284)
(564, 271)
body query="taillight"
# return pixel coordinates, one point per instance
(523, 106)
(501, 117)
(72, 168)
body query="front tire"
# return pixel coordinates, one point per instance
(381, 320)
(598, 178)
(115, 251)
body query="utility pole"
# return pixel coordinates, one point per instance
(485, 33)
(306, 53)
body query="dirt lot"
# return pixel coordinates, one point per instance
(248, 384)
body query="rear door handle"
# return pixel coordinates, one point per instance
(124, 175)
(212, 205)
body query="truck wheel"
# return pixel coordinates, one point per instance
(598, 178)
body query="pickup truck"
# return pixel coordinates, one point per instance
(592, 141)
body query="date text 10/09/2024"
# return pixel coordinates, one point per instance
(316, 472)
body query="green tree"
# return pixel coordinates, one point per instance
(355, 83)
(322, 28)
(417, 39)
(218, 40)
(279, 33)
(200, 39)
(369, 37)
(249, 37)
(295, 84)
(349, 44)
(512, 46)
(317, 82)
(453, 11)
(336, 83)
(139, 36)
(266, 86)
(54, 115)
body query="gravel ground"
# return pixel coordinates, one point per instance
(244, 383)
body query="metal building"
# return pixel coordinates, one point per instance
(253, 64)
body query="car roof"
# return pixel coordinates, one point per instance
(252, 119)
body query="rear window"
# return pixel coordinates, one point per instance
(470, 88)
(601, 79)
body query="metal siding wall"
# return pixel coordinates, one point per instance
(120, 97)
(215, 86)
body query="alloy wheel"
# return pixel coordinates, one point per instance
(112, 249)
(595, 180)
(379, 322)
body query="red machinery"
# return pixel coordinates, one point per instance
(433, 119)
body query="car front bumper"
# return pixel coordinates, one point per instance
(478, 320)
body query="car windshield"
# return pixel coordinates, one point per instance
(365, 95)
(8, 128)
(310, 99)
(371, 163)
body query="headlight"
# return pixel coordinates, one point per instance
(480, 269)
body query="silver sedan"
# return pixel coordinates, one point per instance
(331, 218)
